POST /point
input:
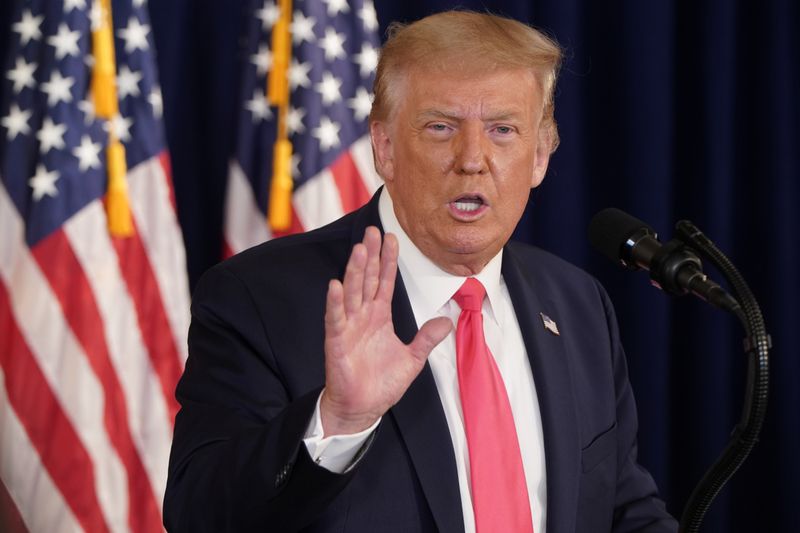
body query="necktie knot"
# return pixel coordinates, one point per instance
(470, 296)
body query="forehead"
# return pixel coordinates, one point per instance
(465, 91)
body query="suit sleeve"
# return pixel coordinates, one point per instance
(237, 460)
(637, 505)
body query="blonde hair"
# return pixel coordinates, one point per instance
(466, 40)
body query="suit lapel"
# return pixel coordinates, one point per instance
(554, 389)
(423, 426)
(419, 414)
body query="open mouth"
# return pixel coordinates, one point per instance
(468, 205)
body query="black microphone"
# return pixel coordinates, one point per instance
(673, 267)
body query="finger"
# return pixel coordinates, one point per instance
(388, 268)
(429, 335)
(354, 279)
(372, 241)
(334, 309)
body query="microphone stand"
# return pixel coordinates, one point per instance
(757, 344)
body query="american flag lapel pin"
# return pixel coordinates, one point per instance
(549, 324)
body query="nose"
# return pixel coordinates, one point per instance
(470, 152)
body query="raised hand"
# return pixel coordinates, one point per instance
(367, 367)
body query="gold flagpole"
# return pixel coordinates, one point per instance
(104, 93)
(280, 194)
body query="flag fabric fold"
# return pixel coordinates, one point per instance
(92, 325)
(333, 59)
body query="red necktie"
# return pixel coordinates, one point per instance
(499, 492)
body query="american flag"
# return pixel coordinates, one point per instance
(92, 327)
(549, 324)
(334, 55)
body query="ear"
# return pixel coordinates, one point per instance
(382, 151)
(544, 147)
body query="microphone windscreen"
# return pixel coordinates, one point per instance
(610, 228)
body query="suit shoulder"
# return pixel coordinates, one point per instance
(547, 264)
(557, 278)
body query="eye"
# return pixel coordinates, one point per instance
(504, 130)
(437, 126)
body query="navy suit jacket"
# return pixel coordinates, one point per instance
(256, 368)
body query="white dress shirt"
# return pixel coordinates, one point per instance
(430, 292)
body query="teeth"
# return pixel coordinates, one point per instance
(467, 206)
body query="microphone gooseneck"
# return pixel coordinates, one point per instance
(676, 268)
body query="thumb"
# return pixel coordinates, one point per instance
(429, 335)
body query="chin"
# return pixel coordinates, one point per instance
(470, 243)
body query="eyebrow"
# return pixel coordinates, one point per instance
(436, 113)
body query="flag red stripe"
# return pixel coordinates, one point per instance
(10, 519)
(158, 231)
(152, 317)
(65, 274)
(227, 250)
(166, 165)
(48, 428)
(348, 180)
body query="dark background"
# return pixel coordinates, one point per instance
(668, 110)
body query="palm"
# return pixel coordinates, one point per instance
(368, 368)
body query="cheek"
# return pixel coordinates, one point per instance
(431, 157)
(440, 158)
(516, 171)
(514, 202)
(425, 170)
(514, 194)
(516, 159)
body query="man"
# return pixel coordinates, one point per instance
(314, 404)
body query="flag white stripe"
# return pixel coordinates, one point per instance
(38, 500)
(161, 235)
(62, 361)
(361, 152)
(317, 201)
(245, 224)
(147, 411)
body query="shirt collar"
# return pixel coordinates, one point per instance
(429, 287)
